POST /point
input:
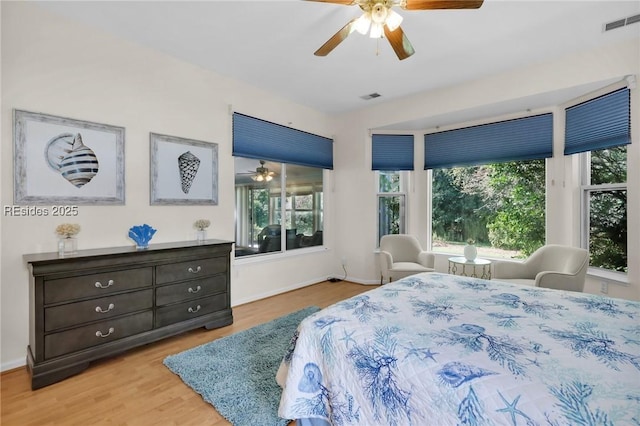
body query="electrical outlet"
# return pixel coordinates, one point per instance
(344, 260)
(604, 287)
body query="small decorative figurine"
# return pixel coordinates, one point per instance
(141, 234)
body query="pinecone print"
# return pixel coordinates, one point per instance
(188, 165)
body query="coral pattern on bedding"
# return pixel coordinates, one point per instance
(443, 349)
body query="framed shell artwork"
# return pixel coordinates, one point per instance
(183, 171)
(61, 160)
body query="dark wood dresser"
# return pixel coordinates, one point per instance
(100, 302)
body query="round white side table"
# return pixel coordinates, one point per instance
(477, 268)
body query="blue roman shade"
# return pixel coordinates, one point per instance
(263, 140)
(602, 122)
(392, 152)
(526, 138)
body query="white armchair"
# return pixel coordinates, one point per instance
(551, 266)
(401, 256)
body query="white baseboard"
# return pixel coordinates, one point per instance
(276, 292)
(295, 287)
(362, 281)
(16, 363)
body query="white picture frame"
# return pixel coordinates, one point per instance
(60, 160)
(183, 171)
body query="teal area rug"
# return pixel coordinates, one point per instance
(237, 373)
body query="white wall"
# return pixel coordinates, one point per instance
(54, 66)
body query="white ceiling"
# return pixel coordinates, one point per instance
(270, 44)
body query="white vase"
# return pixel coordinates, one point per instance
(470, 252)
(201, 235)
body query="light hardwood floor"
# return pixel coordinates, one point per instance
(135, 388)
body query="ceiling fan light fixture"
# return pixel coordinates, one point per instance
(376, 30)
(394, 19)
(375, 20)
(379, 13)
(262, 174)
(363, 23)
(262, 178)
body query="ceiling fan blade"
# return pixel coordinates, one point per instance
(345, 2)
(336, 39)
(399, 42)
(440, 4)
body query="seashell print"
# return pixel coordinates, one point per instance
(57, 148)
(311, 380)
(468, 329)
(456, 373)
(188, 165)
(80, 165)
(326, 321)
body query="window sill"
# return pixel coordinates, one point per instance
(277, 256)
(613, 277)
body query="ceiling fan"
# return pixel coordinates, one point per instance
(380, 20)
(262, 174)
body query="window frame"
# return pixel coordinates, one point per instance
(281, 211)
(586, 188)
(402, 194)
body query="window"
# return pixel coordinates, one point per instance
(501, 207)
(391, 203)
(262, 224)
(599, 129)
(392, 159)
(488, 185)
(604, 207)
(279, 186)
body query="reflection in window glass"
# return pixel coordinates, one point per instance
(260, 221)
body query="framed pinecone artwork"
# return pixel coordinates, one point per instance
(183, 171)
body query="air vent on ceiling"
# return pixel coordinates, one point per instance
(370, 96)
(633, 19)
(622, 22)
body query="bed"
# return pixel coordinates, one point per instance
(438, 349)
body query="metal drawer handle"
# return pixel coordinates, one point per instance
(98, 284)
(194, 271)
(198, 288)
(193, 311)
(101, 311)
(99, 333)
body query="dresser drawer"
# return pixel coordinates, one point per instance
(57, 344)
(96, 309)
(188, 290)
(183, 311)
(190, 270)
(67, 289)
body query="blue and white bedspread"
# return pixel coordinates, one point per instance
(437, 349)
